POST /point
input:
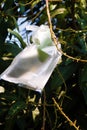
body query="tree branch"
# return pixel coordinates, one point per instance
(55, 40)
(66, 117)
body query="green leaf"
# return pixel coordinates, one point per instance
(16, 108)
(83, 3)
(8, 4)
(22, 9)
(15, 22)
(59, 11)
(83, 81)
(35, 2)
(23, 44)
(7, 53)
(66, 71)
(11, 48)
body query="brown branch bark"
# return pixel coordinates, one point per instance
(55, 39)
(65, 116)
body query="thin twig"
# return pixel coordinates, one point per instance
(44, 111)
(37, 15)
(66, 117)
(72, 30)
(61, 76)
(55, 0)
(55, 39)
(25, 4)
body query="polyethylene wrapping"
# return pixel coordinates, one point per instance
(33, 66)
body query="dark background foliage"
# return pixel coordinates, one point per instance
(22, 109)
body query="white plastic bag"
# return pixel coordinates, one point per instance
(33, 66)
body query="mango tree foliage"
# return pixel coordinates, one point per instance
(23, 109)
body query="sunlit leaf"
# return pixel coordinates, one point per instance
(23, 44)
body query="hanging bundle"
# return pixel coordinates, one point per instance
(33, 66)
